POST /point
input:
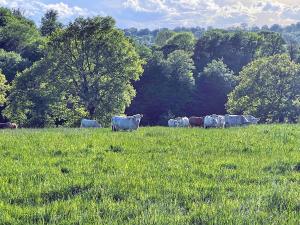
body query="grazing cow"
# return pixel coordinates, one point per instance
(196, 121)
(14, 126)
(209, 121)
(8, 125)
(220, 121)
(252, 119)
(85, 123)
(183, 121)
(126, 122)
(173, 123)
(235, 120)
(214, 121)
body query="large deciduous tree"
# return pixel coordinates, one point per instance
(16, 31)
(89, 66)
(272, 44)
(269, 88)
(178, 68)
(236, 48)
(50, 23)
(183, 41)
(165, 88)
(180, 41)
(213, 86)
(163, 36)
(35, 100)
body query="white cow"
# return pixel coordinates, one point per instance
(209, 121)
(85, 123)
(173, 123)
(214, 121)
(252, 119)
(179, 122)
(235, 120)
(220, 121)
(183, 121)
(126, 122)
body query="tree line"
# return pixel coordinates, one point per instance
(56, 74)
(290, 33)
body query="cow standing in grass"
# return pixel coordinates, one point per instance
(126, 122)
(239, 120)
(252, 119)
(196, 121)
(235, 120)
(8, 125)
(183, 122)
(179, 122)
(214, 120)
(173, 123)
(85, 123)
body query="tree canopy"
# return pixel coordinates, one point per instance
(236, 48)
(183, 41)
(163, 36)
(16, 31)
(50, 23)
(269, 88)
(213, 86)
(165, 88)
(12, 63)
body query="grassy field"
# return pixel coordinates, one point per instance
(152, 176)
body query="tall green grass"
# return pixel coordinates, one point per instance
(152, 176)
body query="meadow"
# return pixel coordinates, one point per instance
(156, 175)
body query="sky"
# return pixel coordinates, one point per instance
(154, 14)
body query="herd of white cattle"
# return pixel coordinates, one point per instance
(216, 121)
(118, 123)
(131, 123)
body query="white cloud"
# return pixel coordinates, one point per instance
(65, 10)
(170, 13)
(148, 6)
(218, 13)
(35, 8)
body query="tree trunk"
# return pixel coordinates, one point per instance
(91, 109)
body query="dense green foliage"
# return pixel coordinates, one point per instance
(270, 89)
(163, 37)
(272, 44)
(153, 176)
(213, 85)
(18, 34)
(146, 36)
(20, 44)
(150, 37)
(235, 48)
(291, 32)
(50, 23)
(34, 102)
(11, 63)
(183, 41)
(3, 89)
(164, 88)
